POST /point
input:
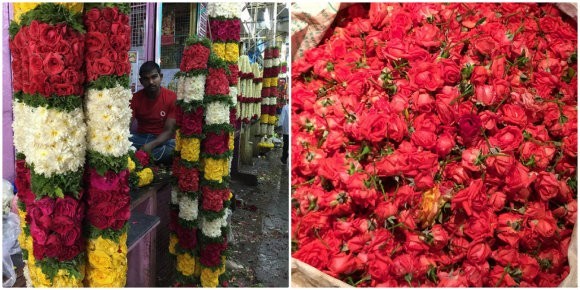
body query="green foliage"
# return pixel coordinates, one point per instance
(216, 185)
(13, 29)
(212, 215)
(226, 154)
(103, 163)
(191, 73)
(56, 185)
(110, 234)
(193, 39)
(108, 82)
(190, 164)
(124, 8)
(189, 107)
(218, 128)
(227, 99)
(216, 62)
(51, 266)
(63, 104)
(20, 156)
(188, 224)
(21, 205)
(52, 13)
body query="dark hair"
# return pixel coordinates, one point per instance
(148, 67)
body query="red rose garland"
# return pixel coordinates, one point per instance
(441, 161)
(47, 85)
(107, 195)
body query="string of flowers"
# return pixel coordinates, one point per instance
(270, 90)
(47, 45)
(141, 169)
(186, 164)
(257, 91)
(245, 97)
(107, 98)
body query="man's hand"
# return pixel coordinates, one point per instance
(147, 148)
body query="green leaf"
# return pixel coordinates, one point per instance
(216, 62)
(124, 8)
(109, 234)
(53, 13)
(329, 66)
(480, 21)
(56, 185)
(191, 73)
(466, 72)
(218, 128)
(226, 99)
(562, 119)
(109, 82)
(573, 183)
(50, 266)
(568, 75)
(60, 103)
(194, 39)
(103, 163)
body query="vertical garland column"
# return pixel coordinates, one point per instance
(47, 42)
(225, 29)
(183, 241)
(108, 119)
(247, 87)
(269, 91)
(257, 91)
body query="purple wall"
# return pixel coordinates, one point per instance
(7, 135)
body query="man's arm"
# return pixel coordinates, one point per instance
(161, 138)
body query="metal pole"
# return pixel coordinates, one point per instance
(275, 19)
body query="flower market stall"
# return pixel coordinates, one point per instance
(435, 145)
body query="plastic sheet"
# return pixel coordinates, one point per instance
(10, 246)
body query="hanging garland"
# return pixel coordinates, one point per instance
(47, 45)
(248, 99)
(191, 88)
(108, 41)
(270, 90)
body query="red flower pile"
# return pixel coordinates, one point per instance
(435, 145)
(217, 82)
(225, 30)
(46, 60)
(108, 41)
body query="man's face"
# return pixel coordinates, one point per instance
(151, 81)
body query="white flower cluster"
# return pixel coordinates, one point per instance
(224, 9)
(212, 228)
(175, 196)
(108, 120)
(217, 113)
(53, 141)
(22, 113)
(234, 95)
(269, 101)
(188, 208)
(257, 93)
(191, 88)
(26, 273)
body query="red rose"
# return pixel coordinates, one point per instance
(216, 82)
(497, 201)
(176, 166)
(120, 42)
(22, 183)
(546, 185)
(508, 138)
(216, 143)
(314, 253)
(92, 15)
(173, 218)
(192, 122)
(403, 265)
(373, 127)
(469, 127)
(194, 57)
(498, 277)
(427, 36)
(53, 64)
(95, 40)
(103, 26)
(187, 237)
(211, 255)
(103, 66)
(110, 14)
(529, 267)
(213, 199)
(234, 74)
(53, 246)
(189, 181)
(426, 75)
(425, 139)
(39, 234)
(444, 145)
(478, 252)
(342, 264)
(51, 34)
(70, 252)
(143, 157)
(440, 237)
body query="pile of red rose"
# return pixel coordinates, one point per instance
(436, 144)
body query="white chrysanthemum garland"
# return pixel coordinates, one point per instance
(269, 90)
(108, 120)
(49, 137)
(257, 91)
(250, 81)
(183, 242)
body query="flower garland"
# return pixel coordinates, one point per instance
(184, 207)
(270, 90)
(247, 98)
(50, 138)
(257, 91)
(442, 155)
(108, 119)
(141, 169)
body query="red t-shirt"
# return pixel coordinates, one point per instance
(152, 114)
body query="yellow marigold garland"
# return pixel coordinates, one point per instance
(219, 49)
(145, 176)
(190, 148)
